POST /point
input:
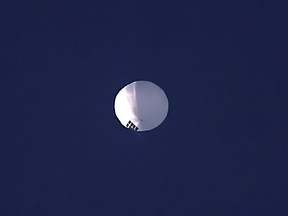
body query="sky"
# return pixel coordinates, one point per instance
(222, 150)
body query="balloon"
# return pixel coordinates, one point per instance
(141, 106)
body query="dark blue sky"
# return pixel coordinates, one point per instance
(222, 149)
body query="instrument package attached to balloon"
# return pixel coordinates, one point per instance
(132, 126)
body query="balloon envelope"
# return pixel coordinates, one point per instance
(141, 105)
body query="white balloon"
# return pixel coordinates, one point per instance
(141, 105)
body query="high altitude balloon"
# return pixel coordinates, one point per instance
(141, 106)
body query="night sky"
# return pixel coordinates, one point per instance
(222, 149)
